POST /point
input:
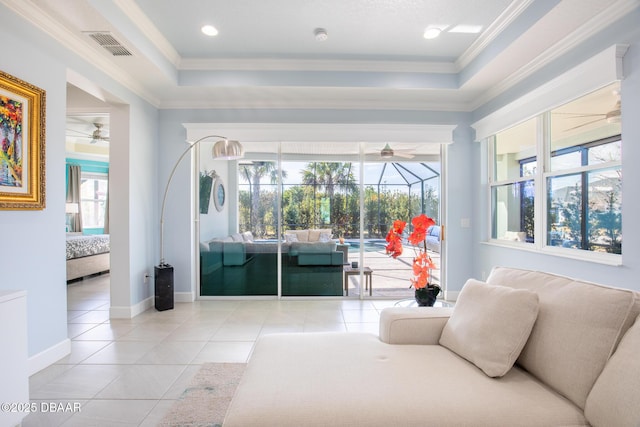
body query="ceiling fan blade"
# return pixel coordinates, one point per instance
(80, 133)
(583, 124)
(404, 154)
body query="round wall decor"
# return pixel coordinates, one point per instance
(219, 194)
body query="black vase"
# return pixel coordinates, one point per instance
(426, 297)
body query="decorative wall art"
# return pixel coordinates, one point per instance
(219, 194)
(22, 144)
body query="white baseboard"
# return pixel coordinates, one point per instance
(129, 312)
(184, 296)
(48, 357)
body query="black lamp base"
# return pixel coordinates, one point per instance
(164, 287)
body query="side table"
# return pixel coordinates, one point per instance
(350, 271)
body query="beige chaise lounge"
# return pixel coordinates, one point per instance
(524, 349)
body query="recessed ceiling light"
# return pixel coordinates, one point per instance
(209, 30)
(320, 34)
(432, 33)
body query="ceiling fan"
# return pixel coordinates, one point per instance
(95, 136)
(387, 153)
(611, 116)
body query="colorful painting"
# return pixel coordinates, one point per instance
(22, 153)
(11, 149)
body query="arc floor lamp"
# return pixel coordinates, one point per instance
(223, 149)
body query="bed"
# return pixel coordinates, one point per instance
(87, 255)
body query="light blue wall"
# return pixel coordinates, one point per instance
(34, 241)
(38, 238)
(485, 257)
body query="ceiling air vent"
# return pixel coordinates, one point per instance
(108, 42)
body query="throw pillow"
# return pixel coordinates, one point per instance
(613, 400)
(325, 237)
(490, 325)
(247, 236)
(290, 237)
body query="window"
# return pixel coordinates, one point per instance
(513, 189)
(561, 172)
(93, 195)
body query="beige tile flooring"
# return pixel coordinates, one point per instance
(129, 372)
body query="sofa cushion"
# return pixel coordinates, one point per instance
(353, 379)
(247, 236)
(578, 327)
(302, 235)
(324, 237)
(314, 247)
(490, 325)
(615, 397)
(314, 234)
(237, 237)
(290, 237)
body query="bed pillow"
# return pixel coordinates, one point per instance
(490, 325)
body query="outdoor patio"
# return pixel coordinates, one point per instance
(390, 277)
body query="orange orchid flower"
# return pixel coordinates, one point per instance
(394, 239)
(422, 263)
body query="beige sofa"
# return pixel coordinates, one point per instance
(524, 349)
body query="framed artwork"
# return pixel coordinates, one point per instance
(22, 148)
(219, 194)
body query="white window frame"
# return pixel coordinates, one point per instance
(94, 176)
(540, 178)
(598, 71)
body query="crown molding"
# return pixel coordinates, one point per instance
(339, 102)
(505, 19)
(32, 13)
(573, 40)
(142, 21)
(269, 64)
(597, 71)
(323, 132)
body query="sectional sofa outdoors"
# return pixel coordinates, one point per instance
(524, 349)
(239, 265)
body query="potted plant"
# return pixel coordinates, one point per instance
(425, 292)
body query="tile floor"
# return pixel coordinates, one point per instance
(129, 372)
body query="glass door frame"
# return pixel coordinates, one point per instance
(314, 132)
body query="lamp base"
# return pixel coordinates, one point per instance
(164, 287)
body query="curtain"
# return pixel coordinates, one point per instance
(106, 209)
(73, 196)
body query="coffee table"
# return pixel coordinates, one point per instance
(350, 271)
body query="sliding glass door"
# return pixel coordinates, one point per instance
(310, 220)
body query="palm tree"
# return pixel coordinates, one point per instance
(329, 176)
(253, 174)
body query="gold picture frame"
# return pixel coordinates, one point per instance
(22, 144)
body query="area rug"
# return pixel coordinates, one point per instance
(204, 403)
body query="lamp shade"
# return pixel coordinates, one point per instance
(226, 149)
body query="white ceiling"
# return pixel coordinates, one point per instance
(266, 56)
